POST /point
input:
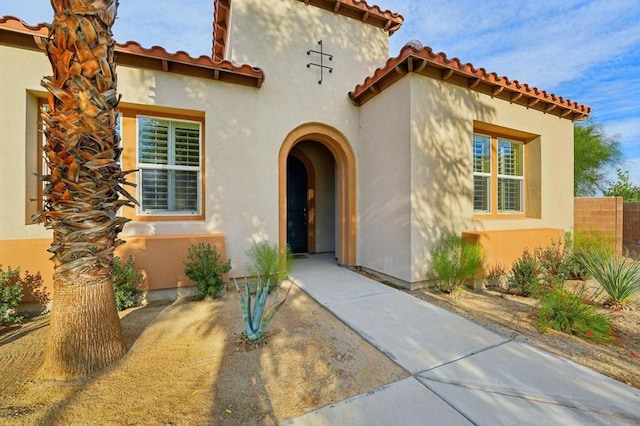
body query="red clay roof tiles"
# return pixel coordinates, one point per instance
(156, 57)
(422, 60)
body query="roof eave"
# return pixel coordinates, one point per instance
(437, 66)
(14, 32)
(362, 11)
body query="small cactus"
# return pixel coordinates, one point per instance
(255, 318)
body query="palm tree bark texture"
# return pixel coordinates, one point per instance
(83, 188)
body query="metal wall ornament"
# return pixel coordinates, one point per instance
(321, 65)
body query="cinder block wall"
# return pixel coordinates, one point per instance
(631, 215)
(601, 214)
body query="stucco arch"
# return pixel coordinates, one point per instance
(341, 150)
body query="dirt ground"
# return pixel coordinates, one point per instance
(187, 365)
(513, 316)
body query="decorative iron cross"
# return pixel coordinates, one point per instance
(321, 65)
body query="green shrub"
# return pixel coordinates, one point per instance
(618, 275)
(553, 260)
(126, 283)
(453, 261)
(269, 263)
(525, 275)
(205, 269)
(11, 294)
(562, 310)
(547, 265)
(255, 318)
(583, 242)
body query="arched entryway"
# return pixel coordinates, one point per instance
(292, 154)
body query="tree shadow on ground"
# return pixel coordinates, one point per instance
(134, 323)
(11, 333)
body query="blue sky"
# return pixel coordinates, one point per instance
(585, 50)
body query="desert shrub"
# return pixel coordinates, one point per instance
(547, 265)
(11, 294)
(453, 261)
(565, 311)
(618, 275)
(553, 260)
(525, 275)
(126, 283)
(582, 242)
(268, 262)
(205, 269)
(256, 316)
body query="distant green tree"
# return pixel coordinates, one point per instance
(594, 151)
(623, 188)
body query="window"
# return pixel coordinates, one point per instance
(169, 164)
(498, 175)
(481, 173)
(510, 176)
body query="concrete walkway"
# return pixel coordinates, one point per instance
(461, 373)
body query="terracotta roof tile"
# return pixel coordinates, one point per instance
(220, 28)
(17, 25)
(354, 9)
(133, 54)
(422, 60)
(362, 11)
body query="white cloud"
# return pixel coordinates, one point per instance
(628, 129)
(541, 43)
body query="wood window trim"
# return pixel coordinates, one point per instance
(129, 156)
(493, 197)
(129, 151)
(39, 158)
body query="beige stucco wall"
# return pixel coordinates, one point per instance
(417, 167)
(244, 127)
(385, 182)
(21, 74)
(233, 163)
(411, 142)
(276, 35)
(234, 160)
(442, 122)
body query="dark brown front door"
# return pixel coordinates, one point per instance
(297, 206)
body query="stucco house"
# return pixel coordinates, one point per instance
(323, 141)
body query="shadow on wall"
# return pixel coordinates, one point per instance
(442, 164)
(287, 27)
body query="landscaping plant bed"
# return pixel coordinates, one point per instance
(187, 364)
(513, 316)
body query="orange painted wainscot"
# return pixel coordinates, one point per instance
(503, 247)
(159, 257)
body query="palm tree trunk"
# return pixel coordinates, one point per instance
(83, 188)
(85, 334)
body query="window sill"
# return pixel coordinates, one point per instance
(167, 218)
(500, 216)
